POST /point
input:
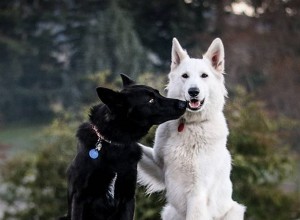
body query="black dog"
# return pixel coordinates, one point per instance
(102, 177)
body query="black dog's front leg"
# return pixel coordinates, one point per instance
(125, 210)
(76, 209)
(125, 194)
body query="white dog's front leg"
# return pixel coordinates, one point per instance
(197, 207)
(150, 173)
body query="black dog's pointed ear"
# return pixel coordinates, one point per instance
(126, 80)
(109, 97)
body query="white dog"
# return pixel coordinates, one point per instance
(190, 159)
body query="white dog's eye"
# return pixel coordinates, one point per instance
(204, 75)
(185, 75)
(151, 101)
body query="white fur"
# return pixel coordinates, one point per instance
(194, 165)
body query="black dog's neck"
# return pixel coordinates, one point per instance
(116, 128)
(101, 137)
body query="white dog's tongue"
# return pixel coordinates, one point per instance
(194, 104)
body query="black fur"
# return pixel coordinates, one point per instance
(125, 117)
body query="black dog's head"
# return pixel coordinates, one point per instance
(140, 105)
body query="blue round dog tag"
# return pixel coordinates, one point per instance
(94, 154)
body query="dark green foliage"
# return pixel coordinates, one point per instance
(35, 185)
(261, 161)
(148, 207)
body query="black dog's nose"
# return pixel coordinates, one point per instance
(194, 91)
(182, 105)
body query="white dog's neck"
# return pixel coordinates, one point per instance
(194, 119)
(200, 117)
(212, 128)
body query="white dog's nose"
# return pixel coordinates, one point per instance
(194, 91)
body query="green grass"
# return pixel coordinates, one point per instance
(20, 138)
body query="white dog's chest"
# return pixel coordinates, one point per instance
(192, 152)
(193, 158)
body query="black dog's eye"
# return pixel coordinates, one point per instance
(151, 101)
(204, 75)
(185, 75)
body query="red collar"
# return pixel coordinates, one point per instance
(181, 125)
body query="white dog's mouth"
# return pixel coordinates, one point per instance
(195, 104)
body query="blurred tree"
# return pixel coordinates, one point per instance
(111, 44)
(22, 65)
(48, 47)
(157, 22)
(29, 74)
(270, 67)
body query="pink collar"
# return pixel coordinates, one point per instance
(100, 137)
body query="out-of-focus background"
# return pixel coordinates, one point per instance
(53, 54)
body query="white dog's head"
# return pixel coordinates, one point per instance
(198, 81)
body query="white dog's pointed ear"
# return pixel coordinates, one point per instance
(215, 54)
(178, 54)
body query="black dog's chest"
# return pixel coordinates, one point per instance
(116, 155)
(97, 174)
